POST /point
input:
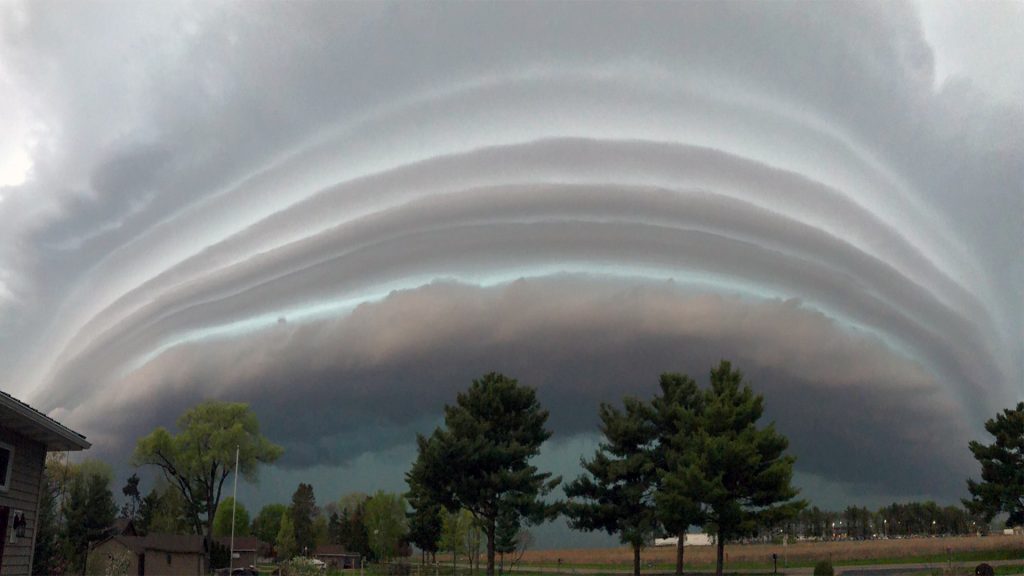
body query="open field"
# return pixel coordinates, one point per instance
(752, 556)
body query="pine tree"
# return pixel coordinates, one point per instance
(616, 493)
(480, 461)
(741, 474)
(1001, 488)
(303, 511)
(676, 417)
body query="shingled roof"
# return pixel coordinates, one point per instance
(23, 419)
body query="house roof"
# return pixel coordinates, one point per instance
(175, 543)
(242, 543)
(23, 419)
(333, 550)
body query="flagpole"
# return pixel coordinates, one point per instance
(234, 505)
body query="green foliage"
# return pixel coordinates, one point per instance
(132, 498)
(424, 522)
(89, 509)
(163, 511)
(386, 525)
(268, 522)
(614, 495)
(823, 568)
(480, 460)
(47, 557)
(741, 474)
(199, 459)
(222, 520)
(287, 545)
(676, 416)
(1001, 488)
(220, 555)
(302, 512)
(321, 531)
(300, 567)
(348, 529)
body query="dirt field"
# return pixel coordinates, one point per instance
(801, 552)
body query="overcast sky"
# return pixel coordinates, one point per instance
(341, 213)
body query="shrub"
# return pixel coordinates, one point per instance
(824, 568)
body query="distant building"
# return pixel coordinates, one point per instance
(154, 554)
(336, 557)
(26, 435)
(247, 548)
(698, 539)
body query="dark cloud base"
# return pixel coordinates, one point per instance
(856, 412)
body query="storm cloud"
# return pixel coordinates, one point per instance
(348, 211)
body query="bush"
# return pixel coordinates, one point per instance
(300, 566)
(824, 568)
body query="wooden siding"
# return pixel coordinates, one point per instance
(114, 548)
(26, 480)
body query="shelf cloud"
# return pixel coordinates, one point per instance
(348, 211)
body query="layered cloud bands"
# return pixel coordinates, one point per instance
(344, 226)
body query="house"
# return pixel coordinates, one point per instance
(336, 557)
(247, 550)
(153, 554)
(26, 435)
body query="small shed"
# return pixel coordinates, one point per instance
(153, 554)
(26, 435)
(336, 557)
(247, 549)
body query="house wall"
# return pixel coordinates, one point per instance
(26, 480)
(245, 558)
(112, 548)
(181, 564)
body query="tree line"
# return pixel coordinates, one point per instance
(688, 456)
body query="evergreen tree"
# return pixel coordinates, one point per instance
(424, 522)
(1001, 488)
(46, 557)
(302, 512)
(89, 511)
(676, 417)
(616, 493)
(480, 461)
(741, 474)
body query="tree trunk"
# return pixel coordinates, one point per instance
(636, 560)
(679, 553)
(490, 546)
(721, 554)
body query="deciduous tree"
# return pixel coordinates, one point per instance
(222, 520)
(386, 523)
(267, 523)
(198, 460)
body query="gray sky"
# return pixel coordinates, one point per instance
(342, 213)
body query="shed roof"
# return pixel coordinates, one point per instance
(333, 550)
(175, 543)
(23, 419)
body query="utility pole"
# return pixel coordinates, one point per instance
(234, 506)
